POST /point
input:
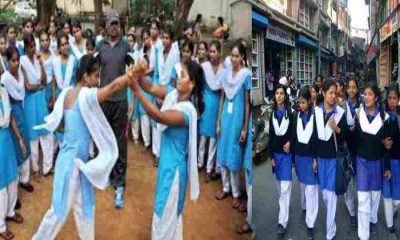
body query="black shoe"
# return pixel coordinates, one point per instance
(392, 230)
(395, 215)
(155, 161)
(304, 212)
(17, 205)
(353, 221)
(27, 187)
(372, 228)
(281, 229)
(310, 233)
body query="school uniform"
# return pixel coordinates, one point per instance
(303, 133)
(391, 188)
(372, 159)
(75, 176)
(350, 195)
(229, 149)
(324, 151)
(8, 163)
(280, 132)
(16, 91)
(76, 50)
(36, 110)
(177, 166)
(65, 76)
(208, 119)
(140, 120)
(162, 75)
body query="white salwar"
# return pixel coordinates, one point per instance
(97, 171)
(142, 125)
(52, 224)
(8, 199)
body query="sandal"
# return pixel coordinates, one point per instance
(17, 218)
(236, 203)
(221, 195)
(243, 229)
(7, 235)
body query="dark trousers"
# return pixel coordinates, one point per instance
(116, 114)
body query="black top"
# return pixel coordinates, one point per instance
(113, 61)
(298, 148)
(394, 133)
(327, 149)
(276, 143)
(370, 147)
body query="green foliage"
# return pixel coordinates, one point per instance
(142, 9)
(7, 17)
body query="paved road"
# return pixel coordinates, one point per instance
(206, 219)
(265, 212)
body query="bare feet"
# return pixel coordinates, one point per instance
(235, 203)
(7, 235)
(221, 195)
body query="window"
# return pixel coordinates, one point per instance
(304, 66)
(255, 61)
(304, 14)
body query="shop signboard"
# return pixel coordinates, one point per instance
(278, 34)
(384, 65)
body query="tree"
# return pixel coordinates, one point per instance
(45, 9)
(98, 11)
(182, 13)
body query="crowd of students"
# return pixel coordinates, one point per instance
(58, 93)
(332, 118)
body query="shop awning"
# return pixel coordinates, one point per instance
(301, 39)
(259, 20)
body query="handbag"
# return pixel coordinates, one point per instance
(343, 170)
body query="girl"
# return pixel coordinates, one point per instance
(35, 106)
(91, 47)
(314, 90)
(373, 160)
(64, 67)
(279, 149)
(3, 48)
(340, 96)
(178, 122)
(141, 120)
(13, 81)
(164, 61)
(52, 31)
(8, 166)
(66, 25)
(232, 122)
(187, 49)
(78, 45)
(213, 71)
(331, 129)
(202, 49)
(351, 105)
(74, 175)
(391, 187)
(132, 42)
(46, 56)
(303, 126)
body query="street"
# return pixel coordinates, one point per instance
(265, 212)
(206, 219)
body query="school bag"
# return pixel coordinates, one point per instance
(343, 169)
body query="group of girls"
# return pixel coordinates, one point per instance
(183, 93)
(310, 138)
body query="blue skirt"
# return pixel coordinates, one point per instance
(48, 92)
(8, 160)
(283, 166)
(369, 175)
(327, 173)
(304, 170)
(391, 188)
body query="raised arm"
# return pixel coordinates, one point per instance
(157, 90)
(107, 91)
